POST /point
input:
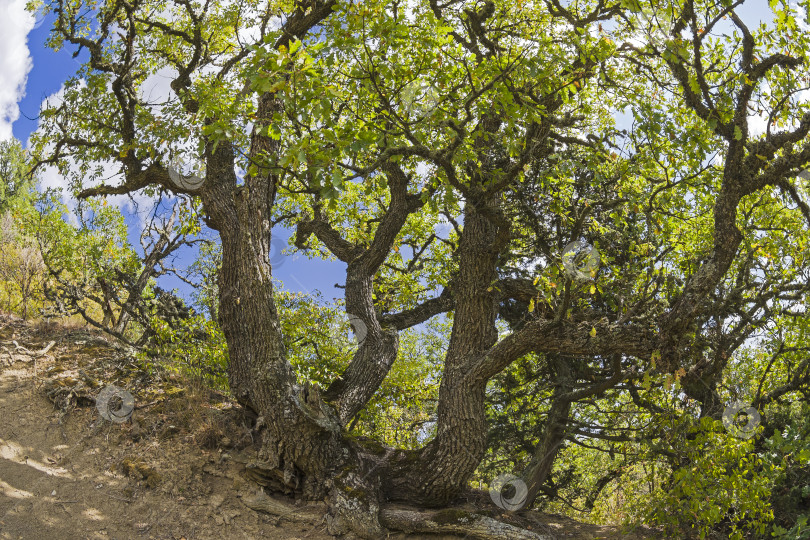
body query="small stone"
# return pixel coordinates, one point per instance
(228, 516)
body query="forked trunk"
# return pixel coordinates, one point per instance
(303, 450)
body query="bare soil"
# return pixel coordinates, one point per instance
(177, 469)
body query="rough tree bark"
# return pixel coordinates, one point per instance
(450, 458)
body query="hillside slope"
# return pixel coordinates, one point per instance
(178, 468)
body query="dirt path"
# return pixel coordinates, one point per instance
(61, 476)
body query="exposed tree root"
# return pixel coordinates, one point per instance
(401, 519)
(454, 521)
(260, 502)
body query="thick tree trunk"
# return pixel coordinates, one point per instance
(446, 463)
(301, 435)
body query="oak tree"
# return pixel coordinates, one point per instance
(463, 159)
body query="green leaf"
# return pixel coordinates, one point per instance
(337, 179)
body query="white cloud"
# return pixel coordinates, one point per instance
(137, 204)
(157, 88)
(49, 177)
(15, 60)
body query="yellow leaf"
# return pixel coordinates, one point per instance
(656, 355)
(593, 331)
(593, 289)
(531, 305)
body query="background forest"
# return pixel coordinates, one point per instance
(603, 204)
